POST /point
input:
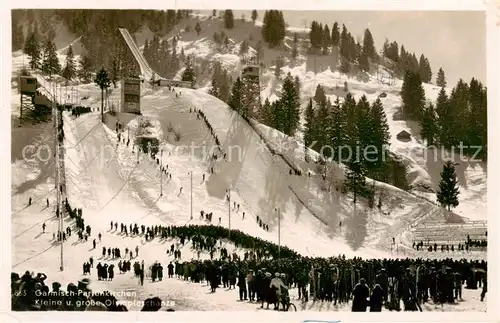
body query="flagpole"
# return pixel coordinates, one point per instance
(279, 232)
(229, 210)
(161, 172)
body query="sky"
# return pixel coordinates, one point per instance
(453, 40)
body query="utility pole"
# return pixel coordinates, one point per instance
(228, 191)
(161, 172)
(279, 233)
(57, 174)
(191, 172)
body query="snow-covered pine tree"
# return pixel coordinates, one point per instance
(379, 134)
(32, 48)
(447, 194)
(188, 73)
(290, 102)
(69, 71)
(254, 16)
(319, 95)
(228, 19)
(337, 135)
(309, 127)
(235, 101)
(322, 129)
(440, 78)
(85, 69)
(412, 95)
(50, 63)
(428, 125)
(355, 179)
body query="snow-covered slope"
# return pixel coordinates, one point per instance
(424, 165)
(107, 182)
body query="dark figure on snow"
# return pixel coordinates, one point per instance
(376, 299)
(360, 296)
(43, 227)
(29, 201)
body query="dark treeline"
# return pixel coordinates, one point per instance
(459, 118)
(356, 134)
(352, 52)
(162, 56)
(100, 37)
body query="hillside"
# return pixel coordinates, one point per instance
(423, 165)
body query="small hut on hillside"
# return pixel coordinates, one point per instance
(404, 136)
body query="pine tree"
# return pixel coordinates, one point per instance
(319, 95)
(254, 16)
(335, 34)
(412, 95)
(428, 125)
(338, 128)
(364, 128)
(369, 45)
(327, 39)
(102, 81)
(344, 43)
(290, 102)
(345, 66)
(115, 70)
(214, 91)
(197, 28)
(363, 62)
(444, 118)
(447, 194)
(85, 70)
(424, 69)
(309, 127)
(188, 73)
(50, 63)
(295, 49)
(273, 28)
(69, 71)
(228, 19)
(379, 134)
(32, 48)
(440, 78)
(235, 101)
(322, 129)
(265, 113)
(355, 179)
(348, 108)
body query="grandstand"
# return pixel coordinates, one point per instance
(450, 234)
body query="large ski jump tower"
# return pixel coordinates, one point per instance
(250, 76)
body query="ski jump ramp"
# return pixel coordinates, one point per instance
(146, 70)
